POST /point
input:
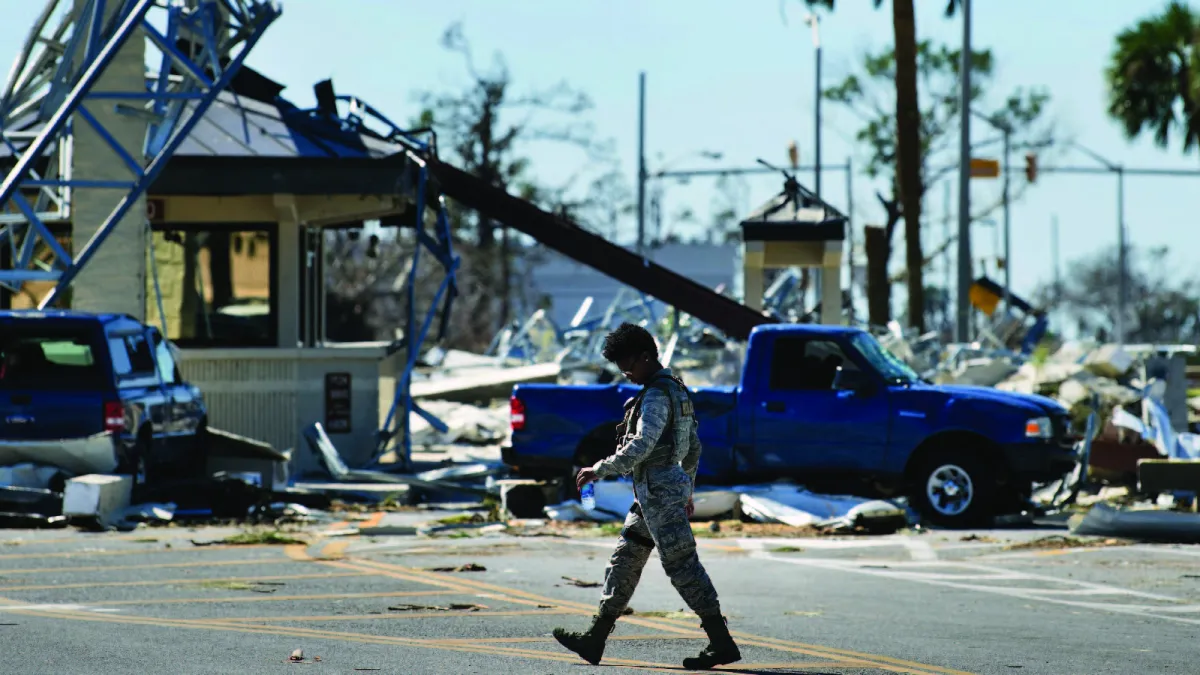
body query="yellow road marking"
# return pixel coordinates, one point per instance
(374, 520)
(351, 637)
(403, 615)
(334, 550)
(297, 552)
(148, 566)
(273, 598)
(86, 553)
(881, 662)
(191, 580)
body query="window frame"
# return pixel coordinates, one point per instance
(848, 355)
(272, 231)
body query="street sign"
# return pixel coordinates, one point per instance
(984, 168)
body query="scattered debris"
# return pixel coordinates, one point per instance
(1141, 524)
(581, 583)
(455, 607)
(242, 585)
(297, 656)
(681, 614)
(980, 538)
(469, 567)
(1058, 541)
(254, 538)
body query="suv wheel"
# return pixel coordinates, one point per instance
(954, 490)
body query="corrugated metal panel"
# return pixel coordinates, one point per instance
(256, 398)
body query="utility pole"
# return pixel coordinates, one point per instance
(850, 232)
(946, 256)
(814, 21)
(1122, 258)
(641, 189)
(1007, 222)
(962, 334)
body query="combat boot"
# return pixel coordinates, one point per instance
(721, 648)
(589, 645)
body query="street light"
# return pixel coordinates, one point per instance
(815, 22)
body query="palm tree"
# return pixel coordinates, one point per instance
(908, 145)
(1154, 77)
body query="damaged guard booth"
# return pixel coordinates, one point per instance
(794, 229)
(239, 217)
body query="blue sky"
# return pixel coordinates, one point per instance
(731, 76)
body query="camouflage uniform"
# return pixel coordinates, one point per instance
(660, 448)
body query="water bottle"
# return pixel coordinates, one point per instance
(588, 496)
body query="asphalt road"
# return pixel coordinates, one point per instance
(933, 604)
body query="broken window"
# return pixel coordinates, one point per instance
(803, 364)
(42, 358)
(218, 285)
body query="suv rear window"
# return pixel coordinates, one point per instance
(42, 358)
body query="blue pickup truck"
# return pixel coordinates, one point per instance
(83, 390)
(829, 407)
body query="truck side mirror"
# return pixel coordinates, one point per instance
(849, 380)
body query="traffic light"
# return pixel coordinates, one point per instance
(794, 155)
(1031, 167)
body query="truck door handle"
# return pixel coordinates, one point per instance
(775, 406)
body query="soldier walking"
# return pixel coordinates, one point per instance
(658, 445)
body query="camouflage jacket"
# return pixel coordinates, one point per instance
(659, 431)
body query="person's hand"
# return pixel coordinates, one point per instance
(690, 508)
(586, 475)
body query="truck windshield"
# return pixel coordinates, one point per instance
(888, 364)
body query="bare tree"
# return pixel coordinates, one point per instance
(485, 126)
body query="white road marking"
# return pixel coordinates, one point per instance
(1162, 612)
(57, 608)
(1193, 551)
(920, 549)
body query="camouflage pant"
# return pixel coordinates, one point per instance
(666, 526)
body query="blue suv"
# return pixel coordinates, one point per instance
(83, 378)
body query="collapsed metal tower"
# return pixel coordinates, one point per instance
(202, 44)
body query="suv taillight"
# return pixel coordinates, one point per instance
(516, 416)
(114, 416)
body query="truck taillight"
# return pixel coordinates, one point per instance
(516, 413)
(114, 416)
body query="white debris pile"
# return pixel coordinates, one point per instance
(776, 503)
(465, 424)
(798, 507)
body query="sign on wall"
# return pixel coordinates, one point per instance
(156, 210)
(337, 403)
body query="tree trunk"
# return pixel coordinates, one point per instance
(505, 278)
(908, 153)
(879, 287)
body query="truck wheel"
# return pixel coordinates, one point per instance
(954, 490)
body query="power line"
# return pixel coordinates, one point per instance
(1086, 170)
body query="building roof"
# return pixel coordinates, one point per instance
(794, 214)
(251, 140)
